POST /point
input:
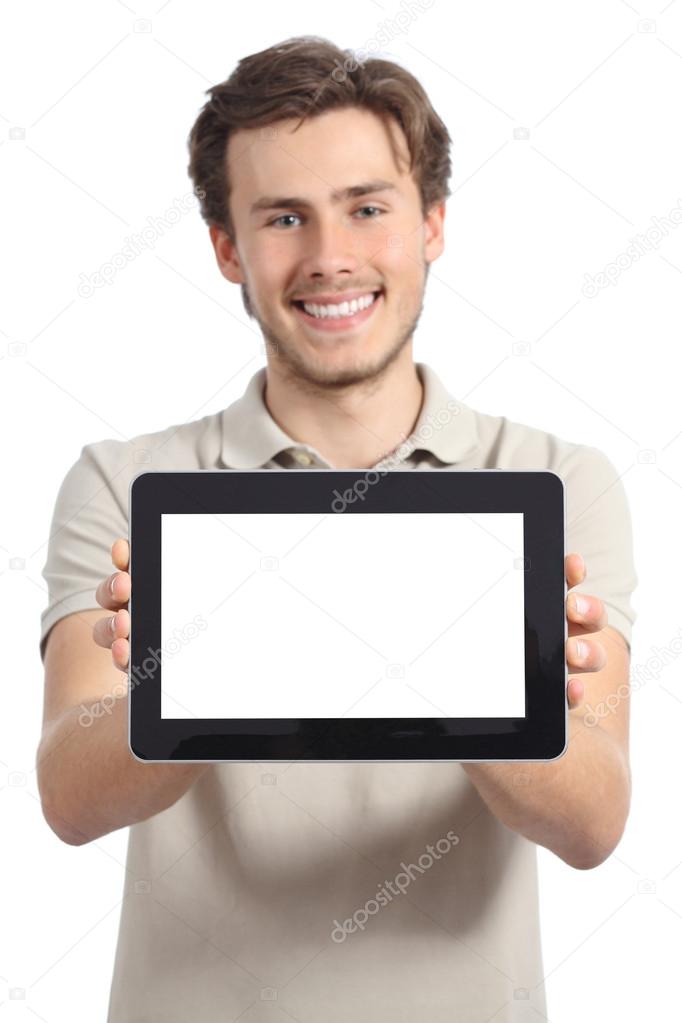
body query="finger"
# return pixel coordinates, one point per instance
(120, 554)
(575, 570)
(587, 612)
(575, 692)
(114, 591)
(584, 654)
(106, 630)
(120, 651)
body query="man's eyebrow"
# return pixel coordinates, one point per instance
(352, 192)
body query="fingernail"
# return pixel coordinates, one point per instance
(582, 605)
(582, 650)
(111, 585)
(113, 624)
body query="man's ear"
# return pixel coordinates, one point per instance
(226, 255)
(434, 237)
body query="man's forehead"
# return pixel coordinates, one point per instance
(277, 159)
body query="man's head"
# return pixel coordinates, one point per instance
(324, 180)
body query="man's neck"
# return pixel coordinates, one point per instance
(355, 428)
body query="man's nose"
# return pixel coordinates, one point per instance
(331, 249)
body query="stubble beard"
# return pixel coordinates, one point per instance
(315, 377)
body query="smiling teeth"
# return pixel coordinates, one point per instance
(336, 311)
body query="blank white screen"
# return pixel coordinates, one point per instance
(342, 615)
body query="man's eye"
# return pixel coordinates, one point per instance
(283, 217)
(295, 216)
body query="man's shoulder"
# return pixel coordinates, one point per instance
(591, 480)
(194, 444)
(103, 471)
(507, 443)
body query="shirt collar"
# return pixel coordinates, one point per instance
(445, 427)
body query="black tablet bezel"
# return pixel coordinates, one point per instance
(541, 735)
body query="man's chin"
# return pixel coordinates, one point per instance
(334, 368)
(330, 368)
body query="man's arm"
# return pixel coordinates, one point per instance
(576, 806)
(89, 782)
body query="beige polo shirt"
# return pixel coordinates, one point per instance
(324, 893)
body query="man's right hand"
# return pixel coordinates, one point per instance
(113, 593)
(89, 781)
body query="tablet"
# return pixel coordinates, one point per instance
(347, 615)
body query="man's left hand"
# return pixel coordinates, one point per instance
(584, 615)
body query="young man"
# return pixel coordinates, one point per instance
(252, 893)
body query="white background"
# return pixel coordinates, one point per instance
(342, 615)
(105, 112)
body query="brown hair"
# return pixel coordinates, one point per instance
(301, 77)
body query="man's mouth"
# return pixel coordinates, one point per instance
(336, 316)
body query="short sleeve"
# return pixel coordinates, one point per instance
(90, 512)
(599, 527)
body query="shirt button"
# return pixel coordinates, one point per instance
(303, 458)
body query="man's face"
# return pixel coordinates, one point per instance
(301, 253)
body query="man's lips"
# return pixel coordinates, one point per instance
(335, 324)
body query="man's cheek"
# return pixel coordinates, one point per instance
(405, 299)
(398, 251)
